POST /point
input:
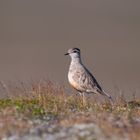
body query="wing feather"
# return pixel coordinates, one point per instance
(86, 81)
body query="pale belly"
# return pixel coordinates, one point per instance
(73, 82)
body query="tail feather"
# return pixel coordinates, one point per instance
(109, 96)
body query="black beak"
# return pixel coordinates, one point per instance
(66, 53)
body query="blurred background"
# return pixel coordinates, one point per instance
(34, 35)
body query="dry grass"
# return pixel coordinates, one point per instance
(48, 102)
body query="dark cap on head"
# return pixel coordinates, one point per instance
(76, 49)
(73, 50)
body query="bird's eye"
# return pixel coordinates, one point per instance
(75, 51)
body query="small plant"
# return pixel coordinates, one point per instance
(45, 100)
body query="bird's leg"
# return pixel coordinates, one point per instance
(83, 99)
(82, 96)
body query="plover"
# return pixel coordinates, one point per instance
(81, 78)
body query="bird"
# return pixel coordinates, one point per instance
(80, 78)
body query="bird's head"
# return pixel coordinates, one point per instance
(73, 52)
